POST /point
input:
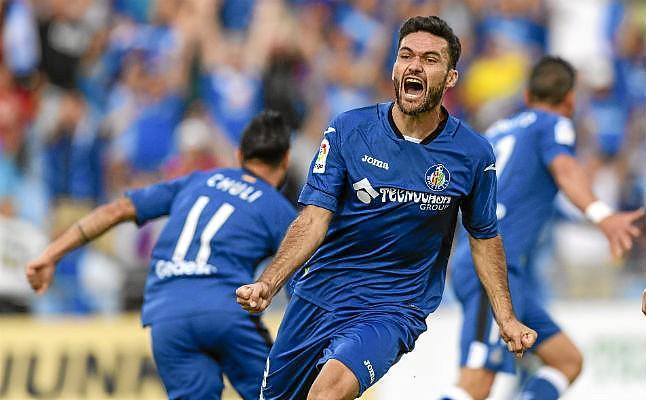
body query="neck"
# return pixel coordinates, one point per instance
(272, 175)
(560, 109)
(420, 125)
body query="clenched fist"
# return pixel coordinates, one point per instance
(255, 297)
(519, 338)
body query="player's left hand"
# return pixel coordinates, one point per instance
(40, 273)
(518, 337)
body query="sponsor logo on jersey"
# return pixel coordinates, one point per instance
(321, 158)
(426, 201)
(375, 162)
(366, 193)
(491, 167)
(235, 188)
(166, 269)
(437, 177)
(371, 371)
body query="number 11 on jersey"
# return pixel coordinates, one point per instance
(187, 235)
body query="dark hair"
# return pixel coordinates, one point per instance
(550, 80)
(266, 138)
(435, 26)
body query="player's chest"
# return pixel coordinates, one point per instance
(392, 173)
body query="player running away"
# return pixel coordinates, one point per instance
(381, 203)
(535, 159)
(221, 224)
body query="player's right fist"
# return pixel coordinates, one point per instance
(255, 297)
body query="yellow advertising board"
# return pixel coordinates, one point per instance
(82, 358)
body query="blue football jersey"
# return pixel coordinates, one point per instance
(221, 224)
(395, 205)
(525, 146)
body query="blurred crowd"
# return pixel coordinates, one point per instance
(97, 96)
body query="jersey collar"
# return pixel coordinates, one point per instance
(447, 124)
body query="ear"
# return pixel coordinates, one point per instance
(452, 78)
(570, 103)
(285, 161)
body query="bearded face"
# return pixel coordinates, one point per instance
(415, 96)
(421, 72)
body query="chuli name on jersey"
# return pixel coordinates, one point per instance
(235, 188)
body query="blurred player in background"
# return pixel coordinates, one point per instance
(535, 159)
(381, 204)
(221, 224)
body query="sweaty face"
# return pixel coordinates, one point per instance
(420, 72)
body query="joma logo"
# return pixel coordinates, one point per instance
(375, 162)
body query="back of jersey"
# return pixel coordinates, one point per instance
(525, 146)
(221, 225)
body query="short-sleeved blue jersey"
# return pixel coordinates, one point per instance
(221, 224)
(395, 204)
(525, 146)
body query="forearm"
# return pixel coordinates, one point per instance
(573, 181)
(303, 237)
(91, 226)
(489, 259)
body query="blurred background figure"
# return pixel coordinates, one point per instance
(99, 96)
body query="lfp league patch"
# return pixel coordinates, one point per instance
(321, 159)
(437, 178)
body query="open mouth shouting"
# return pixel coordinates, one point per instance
(413, 88)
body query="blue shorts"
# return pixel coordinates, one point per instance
(480, 342)
(193, 353)
(367, 342)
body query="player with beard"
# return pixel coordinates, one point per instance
(374, 236)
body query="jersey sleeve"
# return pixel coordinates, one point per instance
(558, 140)
(156, 200)
(479, 207)
(327, 173)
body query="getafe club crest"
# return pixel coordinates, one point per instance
(437, 177)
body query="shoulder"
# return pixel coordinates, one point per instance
(474, 143)
(348, 122)
(521, 120)
(556, 127)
